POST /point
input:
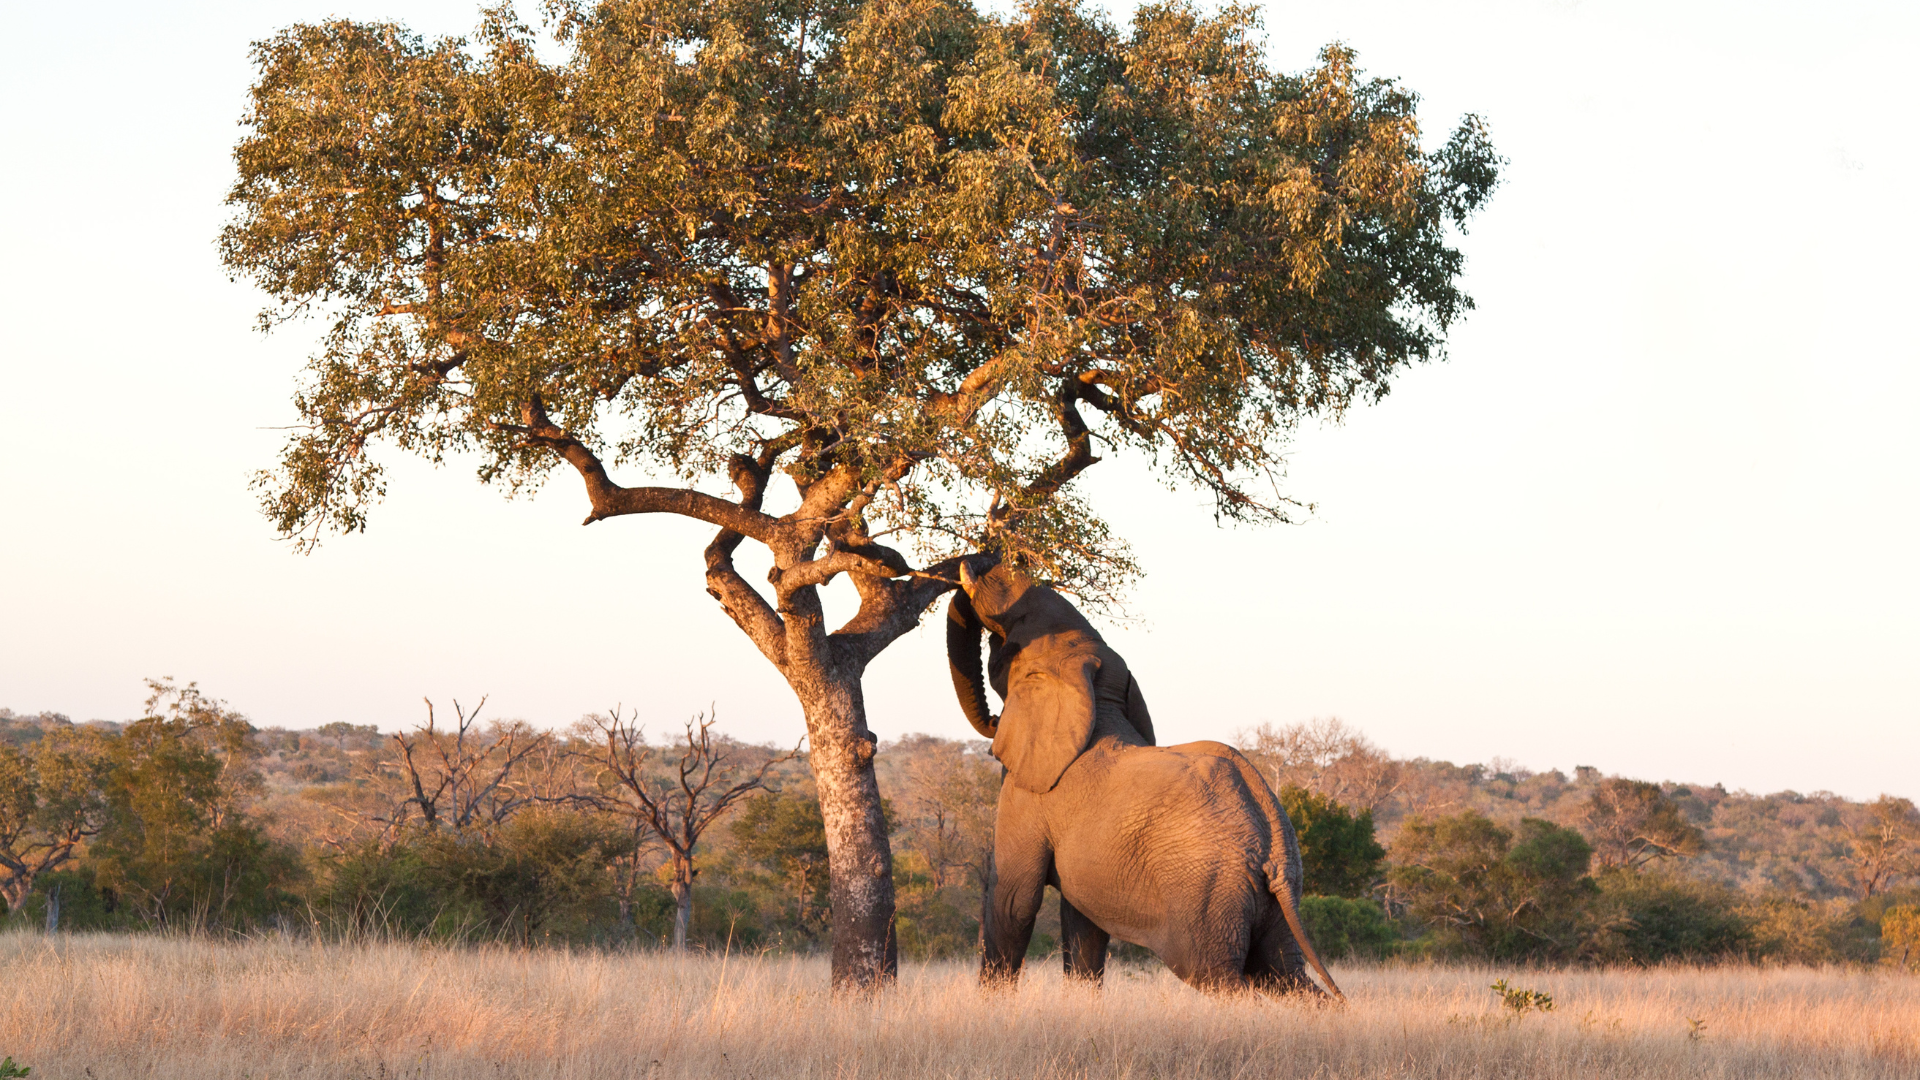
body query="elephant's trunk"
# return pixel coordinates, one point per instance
(963, 663)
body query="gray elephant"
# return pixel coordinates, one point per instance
(1182, 849)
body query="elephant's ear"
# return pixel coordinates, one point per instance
(1049, 713)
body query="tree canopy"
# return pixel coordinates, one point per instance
(1633, 823)
(921, 264)
(928, 263)
(1479, 884)
(1338, 853)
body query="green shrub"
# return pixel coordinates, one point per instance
(1647, 918)
(1793, 930)
(724, 919)
(1520, 1000)
(84, 905)
(1486, 891)
(932, 923)
(539, 877)
(1337, 847)
(1340, 926)
(388, 892)
(542, 871)
(1900, 935)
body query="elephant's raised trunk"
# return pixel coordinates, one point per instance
(963, 663)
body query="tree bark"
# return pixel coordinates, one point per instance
(682, 902)
(866, 952)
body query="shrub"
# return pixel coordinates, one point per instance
(1489, 892)
(1341, 926)
(84, 905)
(539, 868)
(932, 923)
(1793, 930)
(1519, 1000)
(387, 892)
(1900, 935)
(1337, 847)
(1646, 918)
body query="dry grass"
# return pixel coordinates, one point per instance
(112, 1006)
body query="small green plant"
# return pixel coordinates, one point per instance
(8, 1070)
(1520, 1002)
(1696, 1029)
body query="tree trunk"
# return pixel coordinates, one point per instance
(859, 858)
(16, 890)
(682, 902)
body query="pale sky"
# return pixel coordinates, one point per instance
(1655, 514)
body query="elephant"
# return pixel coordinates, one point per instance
(1182, 849)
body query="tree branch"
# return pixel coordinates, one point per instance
(741, 601)
(609, 499)
(889, 609)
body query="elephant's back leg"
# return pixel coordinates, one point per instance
(1275, 963)
(1204, 967)
(1210, 951)
(1083, 945)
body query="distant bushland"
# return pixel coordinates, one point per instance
(192, 819)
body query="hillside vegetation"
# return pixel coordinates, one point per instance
(481, 830)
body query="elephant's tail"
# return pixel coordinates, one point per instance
(1277, 883)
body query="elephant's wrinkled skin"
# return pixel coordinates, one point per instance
(1182, 849)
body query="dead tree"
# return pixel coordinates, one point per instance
(1327, 757)
(678, 803)
(470, 778)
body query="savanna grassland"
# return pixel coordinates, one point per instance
(105, 1006)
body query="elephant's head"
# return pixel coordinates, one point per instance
(1046, 656)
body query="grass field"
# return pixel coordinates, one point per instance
(114, 1006)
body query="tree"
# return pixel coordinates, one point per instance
(52, 800)
(1492, 893)
(176, 841)
(678, 808)
(1900, 934)
(1337, 850)
(1324, 756)
(473, 778)
(1884, 841)
(891, 269)
(948, 791)
(787, 834)
(1632, 823)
